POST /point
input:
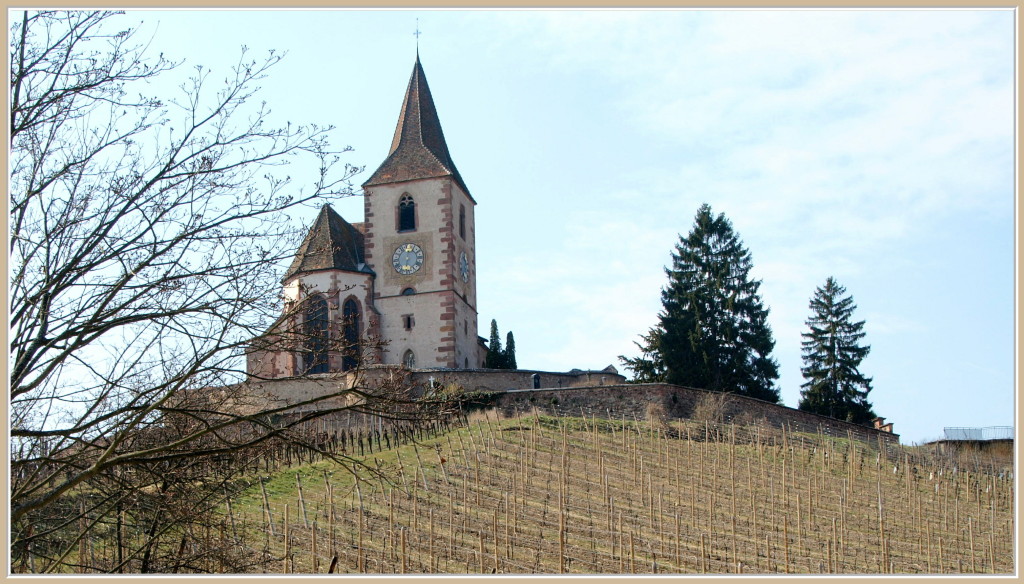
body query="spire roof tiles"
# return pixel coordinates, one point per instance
(418, 149)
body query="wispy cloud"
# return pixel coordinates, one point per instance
(849, 143)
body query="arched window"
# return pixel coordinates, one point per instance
(408, 292)
(350, 313)
(406, 213)
(316, 335)
(409, 359)
(462, 221)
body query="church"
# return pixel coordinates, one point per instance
(395, 297)
(398, 288)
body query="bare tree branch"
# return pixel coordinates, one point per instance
(147, 238)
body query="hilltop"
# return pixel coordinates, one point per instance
(543, 494)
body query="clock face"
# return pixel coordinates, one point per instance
(407, 259)
(464, 267)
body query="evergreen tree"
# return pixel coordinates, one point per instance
(713, 331)
(835, 387)
(495, 356)
(649, 367)
(510, 351)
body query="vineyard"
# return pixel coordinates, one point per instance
(538, 494)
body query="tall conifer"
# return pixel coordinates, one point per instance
(713, 331)
(832, 354)
(495, 356)
(510, 351)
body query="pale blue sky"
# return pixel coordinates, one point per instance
(873, 146)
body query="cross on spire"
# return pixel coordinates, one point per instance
(417, 35)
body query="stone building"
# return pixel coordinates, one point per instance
(394, 298)
(398, 288)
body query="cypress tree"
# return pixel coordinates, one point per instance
(495, 356)
(832, 354)
(712, 332)
(510, 352)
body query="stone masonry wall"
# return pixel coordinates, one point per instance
(508, 379)
(600, 394)
(632, 402)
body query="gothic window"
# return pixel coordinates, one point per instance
(462, 221)
(315, 330)
(406, 213)
(350, 314)
(409, 359)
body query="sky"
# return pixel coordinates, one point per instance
(873, 146)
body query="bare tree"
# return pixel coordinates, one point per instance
(147, 236)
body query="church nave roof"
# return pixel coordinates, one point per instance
(331, 244)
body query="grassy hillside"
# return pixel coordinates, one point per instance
(537, 494)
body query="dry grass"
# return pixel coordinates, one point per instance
(656, 416)
(710, 407)
(535, 494)
(481, 416)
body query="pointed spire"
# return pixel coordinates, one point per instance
(331, 244)
(418, 149)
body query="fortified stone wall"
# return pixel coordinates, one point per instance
(601, 394)
(293, 391)
(507, 380)
(633, 402)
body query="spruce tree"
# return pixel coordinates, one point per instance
(832, 354)
(510, 351)
(713, 331)
(649, 367)
(495, 356)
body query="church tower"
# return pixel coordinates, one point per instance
(420, 242)
(405, 276)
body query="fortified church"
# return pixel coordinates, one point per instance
(404, 277)
(396, 294)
